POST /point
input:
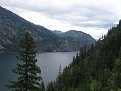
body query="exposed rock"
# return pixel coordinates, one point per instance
(13, 27)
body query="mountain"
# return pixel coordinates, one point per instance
(94, 69)
(13, 27)
(81, 37)
(73, 40)
(57, 32)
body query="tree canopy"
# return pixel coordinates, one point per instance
(29, 78)
(97, 68)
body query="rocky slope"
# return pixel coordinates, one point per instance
(81, 37)
(73, 40)
(13, 27)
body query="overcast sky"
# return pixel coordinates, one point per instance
(94, 17)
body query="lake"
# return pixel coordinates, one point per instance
(49, 63)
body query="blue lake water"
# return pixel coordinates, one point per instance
(49, 63)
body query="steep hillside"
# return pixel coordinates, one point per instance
(96, 69)
(13, 27)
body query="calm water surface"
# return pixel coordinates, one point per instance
(48, 62)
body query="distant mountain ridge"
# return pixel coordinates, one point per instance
(57, 32)
(73, 40)
(13, 27)
(82, 37)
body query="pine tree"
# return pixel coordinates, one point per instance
(50, 87)
(59, 80)
(28, 72)
(42, 87)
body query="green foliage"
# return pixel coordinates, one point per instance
(28, 72)
(42, 87)
(97, 68)
(50, 87)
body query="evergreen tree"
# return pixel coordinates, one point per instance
(50, 87)
(28, 72)
(42, 87)
(59, 80)
(97, 68)
(119, 54)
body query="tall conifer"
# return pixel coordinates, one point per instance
(27, 71)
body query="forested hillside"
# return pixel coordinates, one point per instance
(94, 69)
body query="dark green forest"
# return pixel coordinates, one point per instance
(95, 69)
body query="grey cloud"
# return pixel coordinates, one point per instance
(88, 15)
(100, 17)
(95, 24)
